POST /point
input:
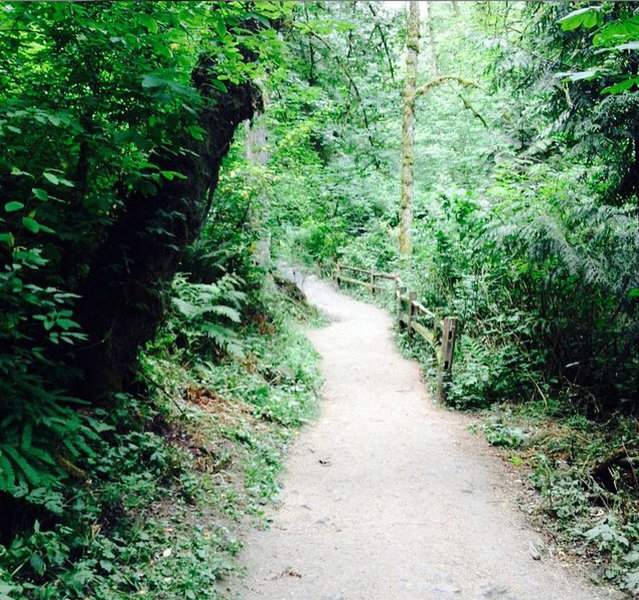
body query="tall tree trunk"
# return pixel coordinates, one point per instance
(455, 4)
(408, 133)
(123, 296)
(257, 156)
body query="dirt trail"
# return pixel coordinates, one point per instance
(389, 497)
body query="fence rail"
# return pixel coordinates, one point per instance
(439, 333)
(372, 277)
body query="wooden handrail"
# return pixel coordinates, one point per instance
(410, 310)
(391, 276)
(372, 276)
(355, 269)
(422, 309)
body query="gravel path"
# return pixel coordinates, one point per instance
(389, 497)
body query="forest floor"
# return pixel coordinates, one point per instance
(388, 496)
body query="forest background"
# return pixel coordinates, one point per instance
(146, 343)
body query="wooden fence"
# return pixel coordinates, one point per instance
(413, 316)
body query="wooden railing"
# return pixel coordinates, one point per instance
(413, 316)
(371, 277)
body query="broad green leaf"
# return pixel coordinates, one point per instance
(37, 564)
(40, 194)
(7, 238)
(149, 22)
(622, 86)
(162, 49)
(634, 293)
(219, 85)
(45, 228)
(618, 32)
(197, 132)
(31, 224)
(51, 178)
(170, 175)
(67, 324)
(584, 17)
(153, 80)
(16, 171)
(150, 81)
(13, 206)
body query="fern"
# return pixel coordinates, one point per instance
(204, 312)
(541, 269)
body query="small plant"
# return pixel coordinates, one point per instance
(505, 436)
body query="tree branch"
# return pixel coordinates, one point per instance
(349, 76)
(384, 43)
(437, 81)
(311, 72)
(471, 108)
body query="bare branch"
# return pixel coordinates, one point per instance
(470, 107)
(383, 37)
(353, 85)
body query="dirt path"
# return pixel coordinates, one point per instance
(388, 497)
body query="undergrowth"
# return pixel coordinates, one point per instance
(586, 478)
(154, 512)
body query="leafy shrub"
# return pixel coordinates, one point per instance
(42, 432)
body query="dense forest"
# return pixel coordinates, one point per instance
(162, 160)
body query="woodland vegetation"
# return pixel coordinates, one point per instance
(161, 158)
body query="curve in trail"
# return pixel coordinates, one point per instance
(389, 497)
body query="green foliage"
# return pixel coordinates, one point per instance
(203, 312)
(516, 270)
(526, 230)
(41, 430)
(613, 38)
(119, 535)
(91, 97)
(329, 138)
(569, 463)
(93, 100)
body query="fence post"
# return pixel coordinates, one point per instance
(401, 290)
(372, 282)
(449, 330)
(338, 276)
(411, 298)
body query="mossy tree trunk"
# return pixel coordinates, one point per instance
(123, 296)
(408, 133)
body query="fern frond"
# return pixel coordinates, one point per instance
(226, 311)
(31, 474)
(7, 473)
(27, 436)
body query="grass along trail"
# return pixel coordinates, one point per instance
(388, 496)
